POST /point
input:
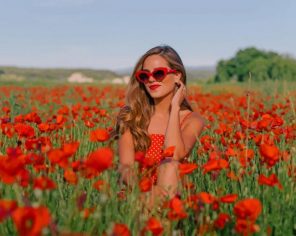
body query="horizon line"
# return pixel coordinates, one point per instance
(88, 68)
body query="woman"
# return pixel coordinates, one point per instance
(157, 116)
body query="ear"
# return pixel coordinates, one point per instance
(178, 76)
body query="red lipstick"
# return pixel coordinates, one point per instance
(153, 87)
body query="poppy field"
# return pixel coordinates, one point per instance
(58, 164)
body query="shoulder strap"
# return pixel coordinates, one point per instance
(185, 118)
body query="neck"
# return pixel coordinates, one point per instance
(162, 105)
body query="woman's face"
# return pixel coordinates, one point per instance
(167, 85)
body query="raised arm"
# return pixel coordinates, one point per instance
(126, 154)
(184, 141)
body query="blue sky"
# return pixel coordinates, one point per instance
(109, 34)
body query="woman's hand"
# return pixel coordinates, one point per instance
(179, 96)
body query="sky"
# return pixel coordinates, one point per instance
(110, 34)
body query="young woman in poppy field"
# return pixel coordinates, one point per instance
(56, 153)
(158, 127)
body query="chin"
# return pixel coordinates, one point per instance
(159, 95)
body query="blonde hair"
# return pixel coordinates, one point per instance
(139, 108)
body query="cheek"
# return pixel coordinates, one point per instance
(168, 89)
(169, 83)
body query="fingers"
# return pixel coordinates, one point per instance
(182, 88)
(179, 93)
(182, 85)
(177, 84)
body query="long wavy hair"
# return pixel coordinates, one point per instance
(139, 108)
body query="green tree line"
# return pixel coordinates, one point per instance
(263, 65)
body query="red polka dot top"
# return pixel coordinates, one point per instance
(153, 154)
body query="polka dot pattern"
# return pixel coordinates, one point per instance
(153, 154)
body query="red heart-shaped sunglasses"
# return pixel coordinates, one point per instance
(158, 74)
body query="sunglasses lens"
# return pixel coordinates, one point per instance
(143, 77)
(159, 74)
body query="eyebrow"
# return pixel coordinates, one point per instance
(153, 68)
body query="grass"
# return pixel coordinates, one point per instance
(105, 207)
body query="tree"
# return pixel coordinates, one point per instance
(263, 66)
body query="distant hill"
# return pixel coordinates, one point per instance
(61, 74)
(21, 73)
(193, 72)
(200, 72)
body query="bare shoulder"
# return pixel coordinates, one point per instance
(126, 137)
(126, 148)
(196, 117)
(195, 122)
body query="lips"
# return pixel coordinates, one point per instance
(153, 87)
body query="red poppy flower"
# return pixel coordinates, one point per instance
(6, 208)
(69, 149)
(11, 167)
(230, 152)
(56, 156)
(265, 123)
(248, 209)
(140, 157)
(6, 109)
(60, 156)
(145, 184)
(176, 209)
(103, 113)
(31, 221)
(206, 197)
(60, 119)
(7, 129)
(24, 130)
(168, 152)
(245, 156)
(246, 227)
(272, 180)
(269, 153)
(99, 160)
(100, 135)
(44, 183)
(32, 117)
(230, 198)
(43, 127)
(187, 168)
(222, 219)
(215, 165)
(71, 177)
(89, 124)
(154, 226)
(149, 162)
(121, 230)
(98, 184)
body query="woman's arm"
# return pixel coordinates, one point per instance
(127, 159)
(173, 136)
(184, 141)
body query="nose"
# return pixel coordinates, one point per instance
(151, 79)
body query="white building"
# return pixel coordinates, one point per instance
(79, 78)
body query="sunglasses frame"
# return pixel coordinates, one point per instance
(148, 73)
